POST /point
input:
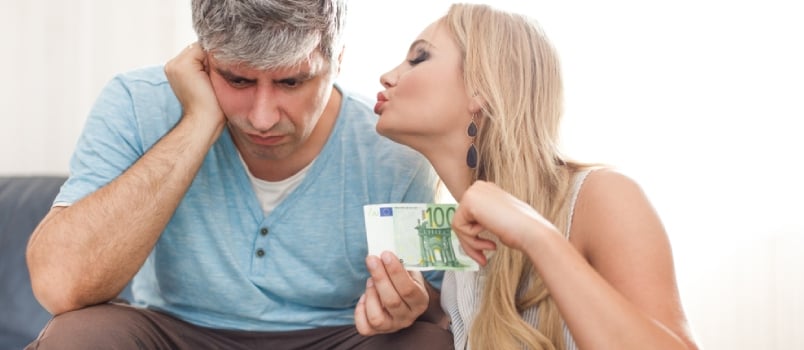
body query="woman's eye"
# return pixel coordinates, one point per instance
(421, 56)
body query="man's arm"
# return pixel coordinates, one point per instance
(86, 253)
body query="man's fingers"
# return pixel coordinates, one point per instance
(361, 322)
(376, 316)
(407, 294)
(386, 290)
(394, 298)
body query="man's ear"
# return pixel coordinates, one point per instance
(340, 60)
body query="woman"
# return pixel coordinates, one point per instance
(581, 259)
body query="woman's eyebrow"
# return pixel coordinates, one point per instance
(419, 42)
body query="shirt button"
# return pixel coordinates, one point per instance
(260, 253)
(264, 231)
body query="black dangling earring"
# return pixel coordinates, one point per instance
(471, 156)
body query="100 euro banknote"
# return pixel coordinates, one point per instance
(418, 233)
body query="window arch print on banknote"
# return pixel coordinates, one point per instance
(435, 237)
(436, 247)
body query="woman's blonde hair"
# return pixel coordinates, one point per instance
(509, 64)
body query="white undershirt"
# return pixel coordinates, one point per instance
(271, 193)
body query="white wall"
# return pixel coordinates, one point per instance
(57, 55)
(697, 100)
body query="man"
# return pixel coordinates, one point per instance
(229, 185)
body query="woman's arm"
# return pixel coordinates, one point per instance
(613, 282)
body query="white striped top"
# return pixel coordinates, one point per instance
(461, 291)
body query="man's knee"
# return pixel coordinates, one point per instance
(419, 336)
(108, 326)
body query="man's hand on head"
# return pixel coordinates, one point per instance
(188, 74)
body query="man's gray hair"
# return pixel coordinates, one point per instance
(269, 34)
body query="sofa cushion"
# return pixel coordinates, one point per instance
(24, 201)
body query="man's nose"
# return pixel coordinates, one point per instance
(264, 113)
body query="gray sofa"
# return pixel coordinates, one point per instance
(24, 201)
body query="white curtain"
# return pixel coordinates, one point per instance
(699, 101)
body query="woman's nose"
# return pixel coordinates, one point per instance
(387, 80)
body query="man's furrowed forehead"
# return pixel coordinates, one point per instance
(312, 65)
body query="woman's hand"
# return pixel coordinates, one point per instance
(486, 211)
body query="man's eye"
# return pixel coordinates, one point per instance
(290, 82)
(236, 82)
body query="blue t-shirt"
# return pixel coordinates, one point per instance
(219, 262)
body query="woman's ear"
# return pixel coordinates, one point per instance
(476, 103)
